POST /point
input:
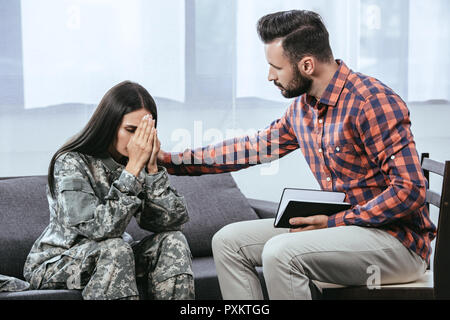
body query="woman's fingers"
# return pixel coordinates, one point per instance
(140, 129)
(147, 132)
(144, 126)
(144, 135)
(155, 149)
(155, 142)
(152, 133)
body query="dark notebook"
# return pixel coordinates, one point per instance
(305, 203)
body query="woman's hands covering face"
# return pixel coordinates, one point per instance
(143, 147)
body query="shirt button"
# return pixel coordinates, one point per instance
(392, 157)
(328, 179)
(338, 149)
(320, 150)
(320, 121)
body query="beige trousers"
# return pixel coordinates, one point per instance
(349, 255)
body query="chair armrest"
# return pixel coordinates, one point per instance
(264, 209)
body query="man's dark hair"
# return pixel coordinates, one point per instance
(303, 33)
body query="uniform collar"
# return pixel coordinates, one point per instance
(331, 95)
(110, 163)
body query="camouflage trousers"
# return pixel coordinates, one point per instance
(157, 267)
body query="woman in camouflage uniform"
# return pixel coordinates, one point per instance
(97, 182)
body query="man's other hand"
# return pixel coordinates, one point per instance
(309, 223)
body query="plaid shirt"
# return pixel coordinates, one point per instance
(356, 139)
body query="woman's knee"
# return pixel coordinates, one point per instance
(172, 242)
(116, 249)
(172, 256)
(174, 250)
(174, 239)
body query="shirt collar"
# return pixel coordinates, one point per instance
(331, 95)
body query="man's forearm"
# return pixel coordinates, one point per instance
(190, 163)
(269, 144)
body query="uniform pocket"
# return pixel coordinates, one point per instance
(345, 161)
(77, 199)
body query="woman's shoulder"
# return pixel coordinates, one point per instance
(71, 160)
(69, 156)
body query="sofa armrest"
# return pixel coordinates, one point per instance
(264, 209)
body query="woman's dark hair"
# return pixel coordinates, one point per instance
(101, 130)
(303, 33)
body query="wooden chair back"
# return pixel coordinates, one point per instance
(441, 267)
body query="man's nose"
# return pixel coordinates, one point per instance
(272, 76)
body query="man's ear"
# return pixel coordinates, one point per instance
(307, 65)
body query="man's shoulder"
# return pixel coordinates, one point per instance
(364, 87)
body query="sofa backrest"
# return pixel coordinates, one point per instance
(213, 201)
(24, 214)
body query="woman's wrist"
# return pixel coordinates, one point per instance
(152, 169)
(134, 170)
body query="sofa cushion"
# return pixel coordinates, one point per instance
(42, 295)
(205, 278)
(213, 201)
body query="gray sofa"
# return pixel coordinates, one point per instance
(213, 201)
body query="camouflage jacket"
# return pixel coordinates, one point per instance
(95, 199)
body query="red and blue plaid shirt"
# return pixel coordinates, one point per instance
(356, 139)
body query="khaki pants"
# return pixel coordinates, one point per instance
(347, 255)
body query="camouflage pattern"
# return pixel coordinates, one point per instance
(12, 284)
(85, 245)
(163, 265)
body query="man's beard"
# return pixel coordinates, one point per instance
(298, 86)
